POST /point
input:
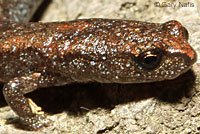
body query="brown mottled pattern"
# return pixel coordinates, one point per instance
(100, 50)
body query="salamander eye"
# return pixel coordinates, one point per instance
(185, 33)
(150, 59)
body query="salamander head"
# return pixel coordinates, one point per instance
(167, 56)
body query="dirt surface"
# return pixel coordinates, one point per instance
(155, 108)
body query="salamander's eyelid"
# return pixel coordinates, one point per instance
(185, 33)
(175, 28)
(167, 26)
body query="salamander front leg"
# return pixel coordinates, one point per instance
(29, 113)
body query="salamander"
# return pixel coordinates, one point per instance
(35, 55)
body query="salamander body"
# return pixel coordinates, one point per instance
(35, 55)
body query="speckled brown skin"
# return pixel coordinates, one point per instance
(35, 55)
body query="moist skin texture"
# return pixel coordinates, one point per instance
(35, 55)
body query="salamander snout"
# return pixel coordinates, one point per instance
(158, 64)
(181, 59)
(178, 52)
(163, 63)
